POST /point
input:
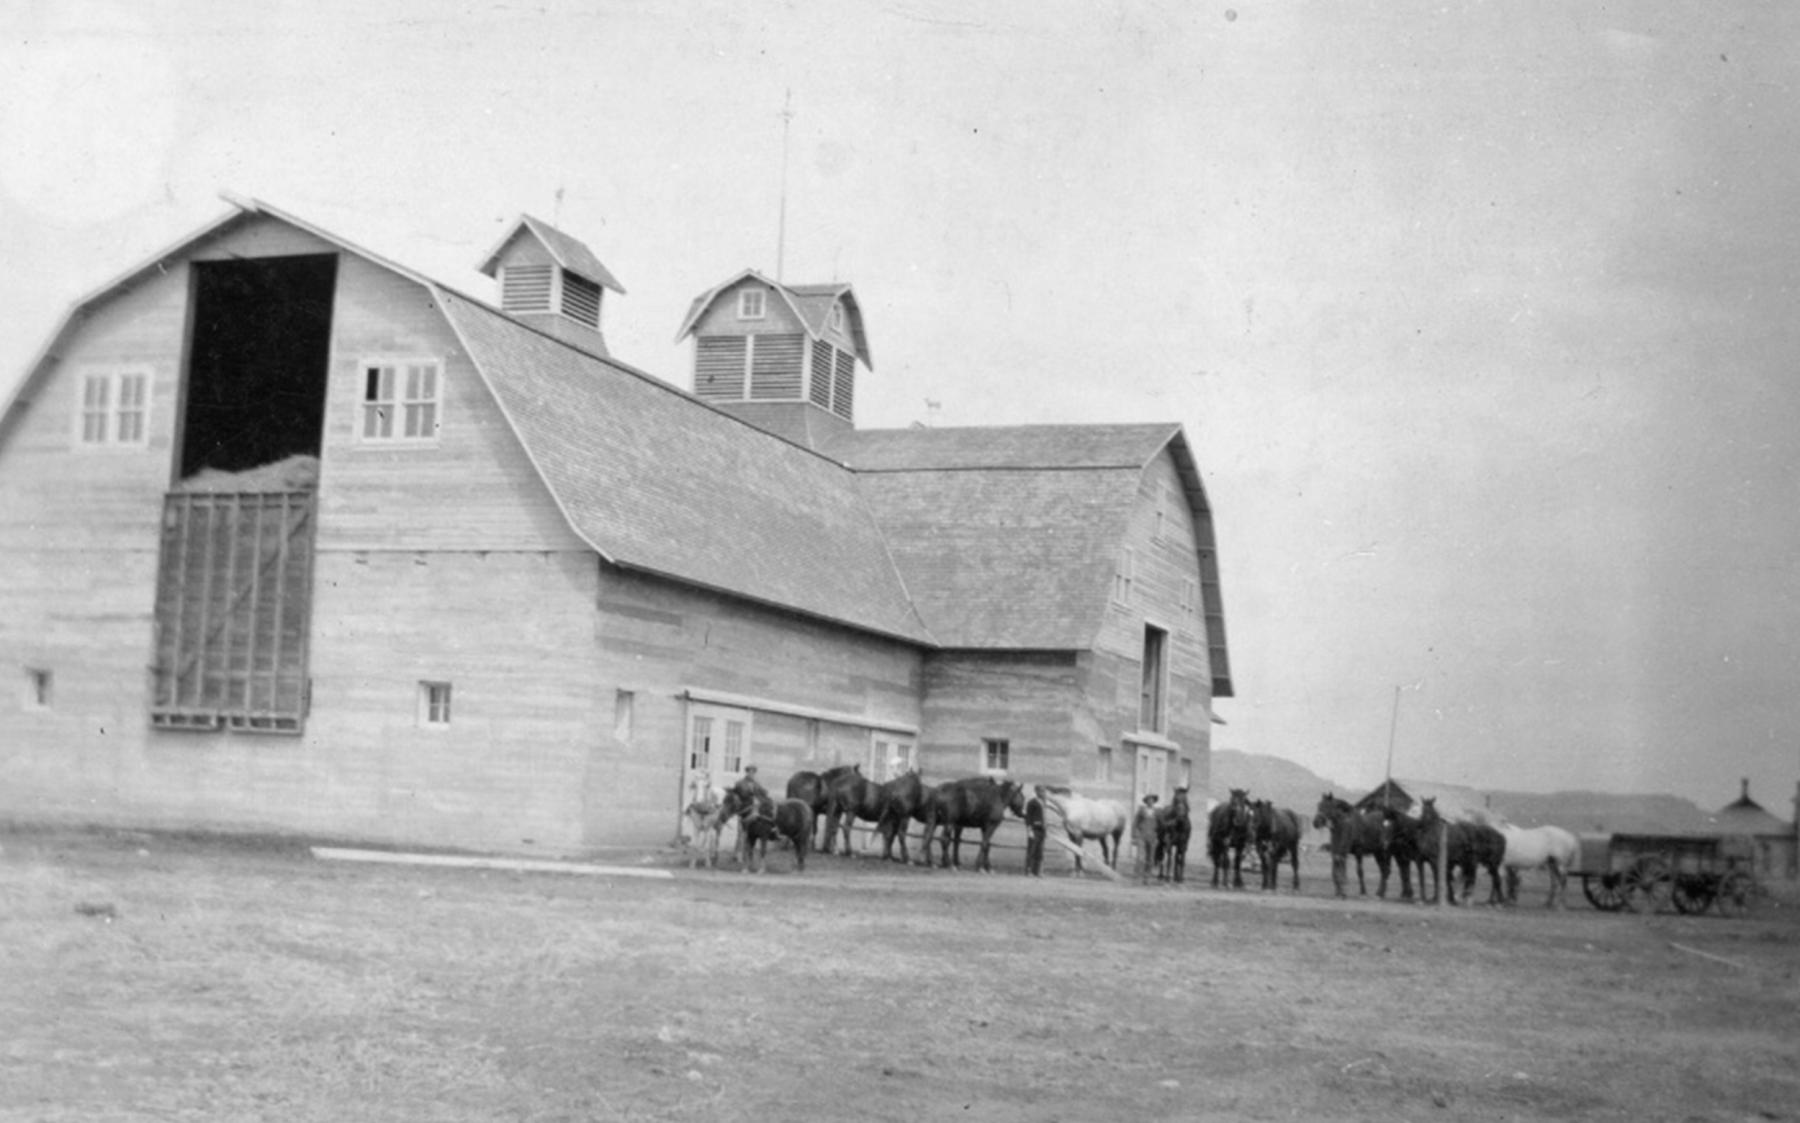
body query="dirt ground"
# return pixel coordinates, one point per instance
(151, 977)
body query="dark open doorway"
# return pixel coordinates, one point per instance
(258, 362)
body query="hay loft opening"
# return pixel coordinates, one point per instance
(259, 355)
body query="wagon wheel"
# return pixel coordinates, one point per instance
(1605, 892)
(1692, 893)
(1737, 890)
(1648, 884)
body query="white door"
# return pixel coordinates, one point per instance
(1152, 775)
(718, 747)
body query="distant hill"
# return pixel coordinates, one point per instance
(1293, 785)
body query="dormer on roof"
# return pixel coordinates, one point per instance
(552, 282)
(782, 357)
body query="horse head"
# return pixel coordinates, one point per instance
(1014, 794)
(1330, 811)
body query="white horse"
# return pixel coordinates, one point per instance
(1548, 848)
(705, 815)
(1086, 818)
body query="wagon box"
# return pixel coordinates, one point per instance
(1645, 872)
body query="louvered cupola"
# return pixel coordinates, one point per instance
(551, 281)
(782, 357)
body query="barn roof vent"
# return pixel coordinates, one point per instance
(551, 281)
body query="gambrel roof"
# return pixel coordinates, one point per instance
(811, 305)
(657, 480)
(996, 538)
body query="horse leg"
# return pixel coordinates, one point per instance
(1080, 845)
(1294, 856)
(1340, 874)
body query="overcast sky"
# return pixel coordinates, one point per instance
(1482, 318)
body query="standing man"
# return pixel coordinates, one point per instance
(1143, 836)
(1034, 837)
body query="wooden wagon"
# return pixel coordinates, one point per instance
(1649, 872)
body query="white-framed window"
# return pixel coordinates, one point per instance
(38, 684)
(402, 399)
(1103, 764)
(837, 317)
(890, 756)
(434, 704)
(718, 742)
(996, 754)
(1124, 575)
(114, 407)
(752, 304)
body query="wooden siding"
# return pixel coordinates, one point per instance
(473, 488)
(659, 639)
(1031, 700)
(446, 561)
(1164, 593)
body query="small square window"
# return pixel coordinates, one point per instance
(38, 684)
(751, 305)
(434, 703)
(996, 754)
(624, 707)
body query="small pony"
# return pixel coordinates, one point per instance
(705, 817)
(763, 819)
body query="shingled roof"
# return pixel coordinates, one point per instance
(656, 480)
(570, 253)
(1006, 537)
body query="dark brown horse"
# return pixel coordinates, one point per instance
(765, 819)
(848, 798)
(1174, 827)
(1354, 834)
(906, 797)
(1277, 833)
(1227, 837)
(980, 802)
(1469, 847)
(813, 789)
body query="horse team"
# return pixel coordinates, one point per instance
(840, 798)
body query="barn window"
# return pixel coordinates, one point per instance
(1190, 596)
(996, 754)
(624, 709)
(401, 399)
(837, 317)
(889, 757)
(751, 305)
(37, 688)
(1155, 680)
(115, 408)
(1123, 575)
(1103, 764)
(434, 704)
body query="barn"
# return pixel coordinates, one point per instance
(296, 539)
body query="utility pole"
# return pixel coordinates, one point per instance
(787, 121)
